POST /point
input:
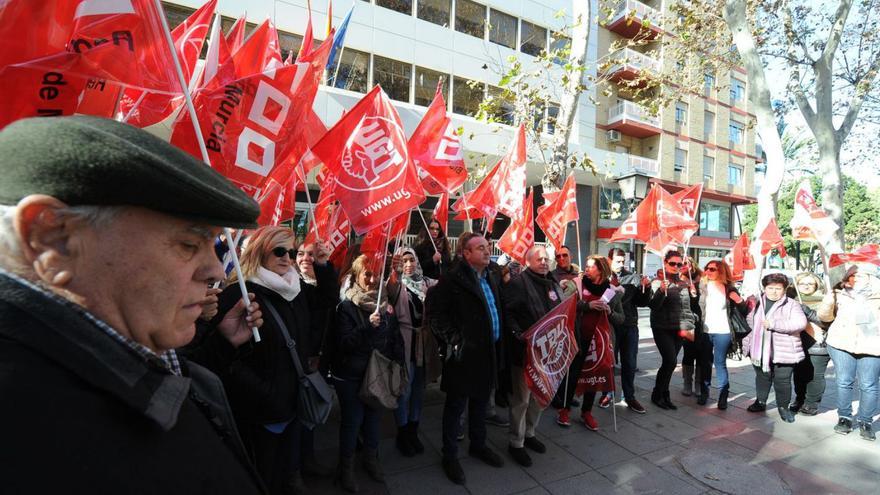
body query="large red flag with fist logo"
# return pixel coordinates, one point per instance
(437, 151)
(367, 154)
(561, 208)
(520, 236)
(550, 349)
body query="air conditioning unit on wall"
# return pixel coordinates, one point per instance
(613, 136)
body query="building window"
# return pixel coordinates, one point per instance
(426, 85)
(681, 158)
(402, 6)
(737, 132)
(681, 113)
(435, 11)
(734, 175)
(352, 71)
(533, 38)
(289, 43)
(708, 167)
(393, 76)
(708, 125)
(502, 29)
(708, 84)
(552, 115)
(737, 90)
(466, 99)
(560, 45)
(503, 106)
(714, 218)
(470, 18)
(612, 206)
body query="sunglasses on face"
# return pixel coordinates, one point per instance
(279, 252)
(711, 269)
(676, 264)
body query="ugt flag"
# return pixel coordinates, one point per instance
(550, 349)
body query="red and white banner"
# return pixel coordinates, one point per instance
(235, 36)
(520, 235)
(504, 188)
(771, 238)
(437, 151)
(596, 373)
(869, 253)
(739, 259)
(559, 209)
(642, 222)
(810, 222)
(366, 151)
(550, 349)
(441, 211)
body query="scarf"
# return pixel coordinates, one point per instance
(596, 289)
(287, 286)
(364, 299)
(415, 283)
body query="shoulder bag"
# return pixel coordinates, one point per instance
(314, 398)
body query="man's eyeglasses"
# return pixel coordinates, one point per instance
(279, 252)
(675, 264)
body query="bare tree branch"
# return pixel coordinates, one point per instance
(858, 99)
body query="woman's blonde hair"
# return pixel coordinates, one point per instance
(820, 285)
(259, 247)
(360, 265)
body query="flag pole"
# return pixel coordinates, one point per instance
(205, 157)
(311, 212)
(384, 259)
(577, 236)
(428, 230)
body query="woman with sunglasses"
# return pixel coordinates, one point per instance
(809, 374)
(363, 323)
(717, 298)
(671, 316)
(432, 250)
(262, 382)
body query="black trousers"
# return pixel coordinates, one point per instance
(273, 453)
(780, 377)
(453, 408)
(809, 379)
(668, 344)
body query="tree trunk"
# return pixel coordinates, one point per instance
(738, 23)
(555, 173)
(832, 186)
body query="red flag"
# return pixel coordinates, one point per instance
(275, 200)
(689, 199)
(252, 124)
(306, 46)
(554, 216)
(436, 149)
(331, 225)
(468, 210)
(217, 56)
(142, 109)
(235, 37)
(400, 225)
(375, 246)
(771, 238)
(504, 188)
(739, 258)
(520, 236)
(661, 243)
(810, 222)
(869, 253)
(550, 349)
(441, 211)
(642, 222)
(597, 371)
(366, 151)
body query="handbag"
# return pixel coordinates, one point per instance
(738, 322)
(385, 380)
(314, 398)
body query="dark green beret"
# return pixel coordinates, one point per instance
(84, 160)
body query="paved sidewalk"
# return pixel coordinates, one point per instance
(693, 450)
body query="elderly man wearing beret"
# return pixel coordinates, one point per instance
(106, 253)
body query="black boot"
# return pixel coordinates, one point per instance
(414, 437)
(371, 465)
(346, 474)
(657, 399)
(703, 398)
(722, 397)
(404, 443)
(667, 402)
(296, 484)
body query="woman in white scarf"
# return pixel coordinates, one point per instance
(407, 289)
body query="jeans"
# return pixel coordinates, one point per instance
(848, 366)
(668, 344)
(718, 343)
(453, 408)
(409, 406)
(780, 376)
(355, 416)
(809, 379)
(628, 343)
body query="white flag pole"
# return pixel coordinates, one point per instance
(384, 259)
(577, 236)
(205, 157)
(311, 212)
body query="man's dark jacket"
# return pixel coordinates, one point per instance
(458, 315)
(81, 413)
(527, 299)
(634, 296)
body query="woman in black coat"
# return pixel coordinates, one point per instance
(262, 382)
(363, 324)
(432, 249)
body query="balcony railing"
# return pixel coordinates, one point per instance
(634, 164)
(630, 58)
(627, 110)
(639, 11)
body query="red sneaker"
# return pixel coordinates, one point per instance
(562, 417)
(589, 421)
(605, 401)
